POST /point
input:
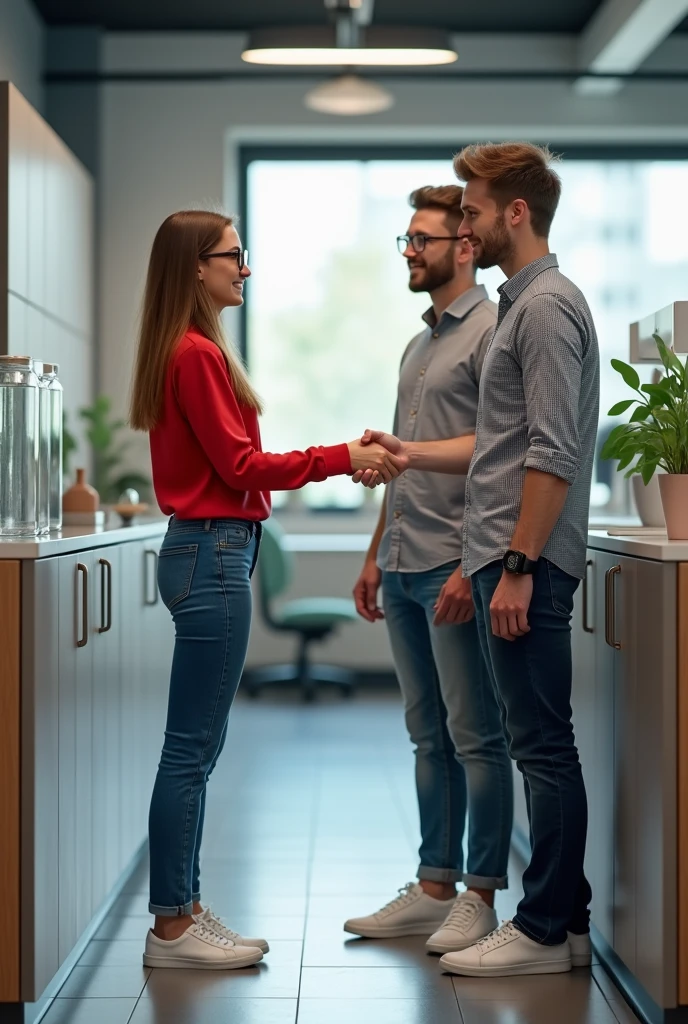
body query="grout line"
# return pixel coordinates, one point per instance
(315, 808)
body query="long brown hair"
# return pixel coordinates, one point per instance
(175, 300)
(515, 170)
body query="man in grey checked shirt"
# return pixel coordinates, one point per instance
(451, 711)
(525, 529)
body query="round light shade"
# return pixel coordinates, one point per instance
(349, 96)
(380, 46)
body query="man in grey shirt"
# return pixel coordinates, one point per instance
(451, 711)
(525, 532)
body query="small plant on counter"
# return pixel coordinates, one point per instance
(656, 435)
(108, 453)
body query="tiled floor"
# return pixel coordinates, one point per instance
(311, 818)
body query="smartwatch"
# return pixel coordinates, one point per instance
(518, 564)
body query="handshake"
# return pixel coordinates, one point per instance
(377, 458)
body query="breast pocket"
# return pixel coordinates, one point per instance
(175, 573)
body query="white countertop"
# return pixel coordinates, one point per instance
(79, 538)
(639, 543)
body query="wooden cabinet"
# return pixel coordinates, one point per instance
(624, 701)
(96, 648)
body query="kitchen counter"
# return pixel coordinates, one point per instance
(79, 538)
(639, 543)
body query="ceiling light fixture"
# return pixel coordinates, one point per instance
(349, 96)
(377, 46)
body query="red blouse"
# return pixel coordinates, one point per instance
(206, 452)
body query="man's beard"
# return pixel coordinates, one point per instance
(434, 277)
(496, 246)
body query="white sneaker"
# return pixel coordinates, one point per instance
(507, 952)
(413, 912)
(200, 947)
(213, 921)
(581, 950)
(469, 920)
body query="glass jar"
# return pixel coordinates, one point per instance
(19, 401)
(55, 392)
(43, 449)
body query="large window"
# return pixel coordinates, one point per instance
(329, 312)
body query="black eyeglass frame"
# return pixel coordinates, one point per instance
(240, 255)
(409, 240)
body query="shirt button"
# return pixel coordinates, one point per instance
(422, 372)
(436, 334)
(397, 514)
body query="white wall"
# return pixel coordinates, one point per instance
(22, 38)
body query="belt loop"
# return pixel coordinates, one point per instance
(206, 525)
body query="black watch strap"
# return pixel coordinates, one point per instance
(518, 564)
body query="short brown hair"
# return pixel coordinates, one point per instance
(441, 197)
(515, 170)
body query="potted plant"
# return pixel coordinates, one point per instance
(656, 436)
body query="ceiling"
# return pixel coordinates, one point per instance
(228, 15)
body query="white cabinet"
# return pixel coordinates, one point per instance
(96, 651)
(624, 700)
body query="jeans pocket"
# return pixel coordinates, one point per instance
(175, 573)
(562, 587)
(235, 536)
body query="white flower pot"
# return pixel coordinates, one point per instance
(674, 488)
(648, 501)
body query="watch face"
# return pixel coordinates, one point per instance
(513, 561)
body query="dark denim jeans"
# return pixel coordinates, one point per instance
(204, 579)
(453, 719)
(532, 676)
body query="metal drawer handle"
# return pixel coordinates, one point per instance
(610, 607)
(81, 568)
(105, 596)
(146, 585)
(586, 627)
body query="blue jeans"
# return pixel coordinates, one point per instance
(453, 719)
(533, 679)
(204, 579)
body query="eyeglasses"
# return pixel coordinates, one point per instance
(240, 255)
(418, 242)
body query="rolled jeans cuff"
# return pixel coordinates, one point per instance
(439, 874)
(481, 882)
(183, 910)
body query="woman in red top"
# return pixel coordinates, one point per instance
(211, 476)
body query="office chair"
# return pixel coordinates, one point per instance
(310, 618)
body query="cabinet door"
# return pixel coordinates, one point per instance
(645, 759)
(133, 739)
(75, 661)
(158, 658)
(601, 775)
(40, 957)
(106, 725)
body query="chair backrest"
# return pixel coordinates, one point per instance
(275, 565)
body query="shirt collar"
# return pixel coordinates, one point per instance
(520, 281)
(460, 307)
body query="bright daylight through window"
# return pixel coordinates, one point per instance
(329, 312)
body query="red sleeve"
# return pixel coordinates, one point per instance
(205, 396)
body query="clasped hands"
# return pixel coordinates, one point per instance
(377, 458)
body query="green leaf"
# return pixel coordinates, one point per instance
(629, 375)
(640, 414)
(625, 461)
(648, 471)
(620, 407)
